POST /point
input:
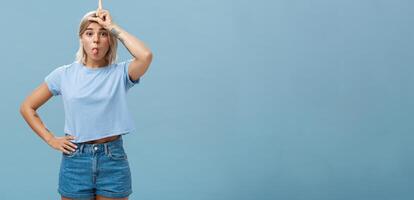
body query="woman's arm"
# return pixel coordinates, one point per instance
(28, 110)
(142, 54)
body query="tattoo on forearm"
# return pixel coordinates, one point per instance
(122, 40)
(115, 32)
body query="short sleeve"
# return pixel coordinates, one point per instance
(53, 81)
(129, 83)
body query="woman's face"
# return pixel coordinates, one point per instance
(95, 42)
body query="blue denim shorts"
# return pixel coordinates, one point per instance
(95, 169)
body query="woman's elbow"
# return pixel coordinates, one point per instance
(148, 56)
(23, 108)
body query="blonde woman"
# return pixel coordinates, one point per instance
(93, 88)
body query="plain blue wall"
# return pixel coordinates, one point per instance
(245, 100)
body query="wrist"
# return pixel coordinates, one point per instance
(109, 27)
(49, 138)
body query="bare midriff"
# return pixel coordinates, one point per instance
(103, 140)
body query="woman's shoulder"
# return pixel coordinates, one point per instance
(66, 66)
(63, 70)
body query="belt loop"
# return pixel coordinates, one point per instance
(106, 148)
(81, 147)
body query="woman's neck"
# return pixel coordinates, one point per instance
(95, 64)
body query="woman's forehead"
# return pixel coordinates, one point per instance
(94, 26)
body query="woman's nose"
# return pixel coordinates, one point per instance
(95, 38)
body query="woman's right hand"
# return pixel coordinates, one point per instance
(63, 144)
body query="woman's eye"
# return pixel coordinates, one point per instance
(104, 34)
(89, 33)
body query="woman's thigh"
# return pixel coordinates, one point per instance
(65, 198)
(98, 197)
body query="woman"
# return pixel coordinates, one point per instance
(93, 88)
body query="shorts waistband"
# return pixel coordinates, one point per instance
(83, 146)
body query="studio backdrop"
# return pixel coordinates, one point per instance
(244, 100)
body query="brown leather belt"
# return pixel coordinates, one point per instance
(103, 140)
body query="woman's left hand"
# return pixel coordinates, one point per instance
(103, 18)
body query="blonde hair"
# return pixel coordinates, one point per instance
(81, 55)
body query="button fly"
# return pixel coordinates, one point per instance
(96, 148)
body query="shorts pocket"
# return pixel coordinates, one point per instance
(117, 153)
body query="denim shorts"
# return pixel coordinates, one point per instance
(95, 169)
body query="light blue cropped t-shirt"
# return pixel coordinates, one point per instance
(94, 99)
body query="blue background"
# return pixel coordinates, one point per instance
(246, 100)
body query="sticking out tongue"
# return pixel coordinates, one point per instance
(95, 51)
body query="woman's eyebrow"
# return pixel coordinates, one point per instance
(101, 29)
